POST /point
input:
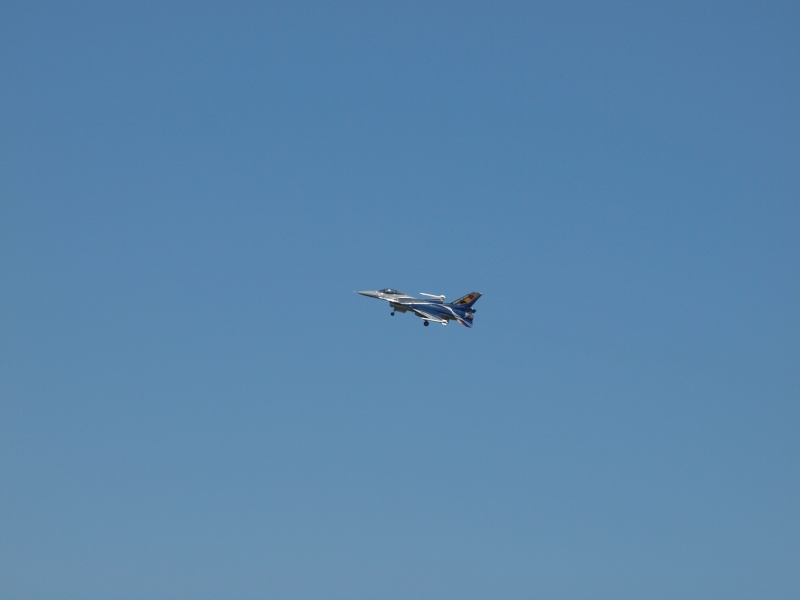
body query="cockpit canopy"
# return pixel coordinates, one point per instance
(389, 291)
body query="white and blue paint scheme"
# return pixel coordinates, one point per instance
(431, 308)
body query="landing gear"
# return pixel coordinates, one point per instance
(392, 313)
(425, 323)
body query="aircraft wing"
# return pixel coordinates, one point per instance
(429, 316)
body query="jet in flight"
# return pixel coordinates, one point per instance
(431, 308)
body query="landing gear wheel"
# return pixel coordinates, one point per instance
(392, 313)
(425, 323)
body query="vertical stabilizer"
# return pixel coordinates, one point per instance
(468, 300)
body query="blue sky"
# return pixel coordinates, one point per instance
(194, 404)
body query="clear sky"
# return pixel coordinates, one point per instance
(193, 402)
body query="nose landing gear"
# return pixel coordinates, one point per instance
(425, 323)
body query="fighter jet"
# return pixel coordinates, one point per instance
(431, 308)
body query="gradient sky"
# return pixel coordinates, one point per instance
(193, 402)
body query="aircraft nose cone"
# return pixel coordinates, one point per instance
(369, 294)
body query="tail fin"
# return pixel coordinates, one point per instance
(468, 300)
